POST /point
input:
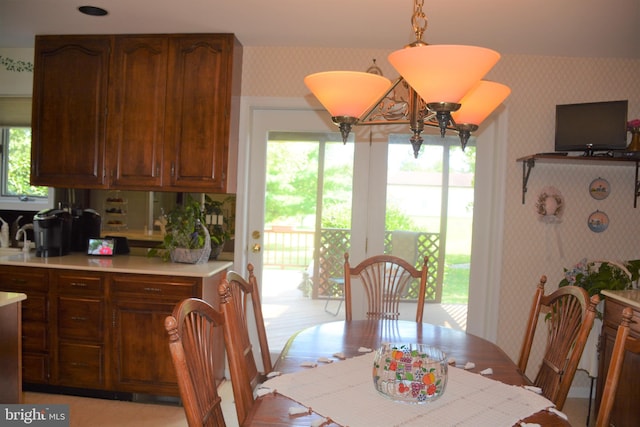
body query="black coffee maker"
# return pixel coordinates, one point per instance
(85, 224)
(52, 232)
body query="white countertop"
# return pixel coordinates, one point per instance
(7, 298)
(117, 264)
(630, 297)
(152, 236)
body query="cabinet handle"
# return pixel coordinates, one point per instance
(20, 281)
(78, 318)
(173, 169)
(147, 289)
(78, 284)
(80, 364)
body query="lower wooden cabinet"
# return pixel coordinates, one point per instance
(137, 363)
(140, 305)
(625, 410)
(100, 330)
(36, 360)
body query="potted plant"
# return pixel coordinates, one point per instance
(187, 238)
(596, 276)
(217, 225)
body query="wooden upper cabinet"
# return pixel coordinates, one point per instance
(69, 107)
(202, 112)
(136, 111)
(154, 112)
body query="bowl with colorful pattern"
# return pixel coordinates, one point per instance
(410, 373)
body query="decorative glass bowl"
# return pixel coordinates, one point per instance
(410, 373)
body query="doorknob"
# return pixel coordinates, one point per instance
(256, 247)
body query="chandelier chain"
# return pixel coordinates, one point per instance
(419, 20)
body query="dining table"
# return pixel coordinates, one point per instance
(333, 343)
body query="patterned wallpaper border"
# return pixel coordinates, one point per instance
(16, 66)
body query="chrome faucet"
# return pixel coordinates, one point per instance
(22, 232)
(15, 225)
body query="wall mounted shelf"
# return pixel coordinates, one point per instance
(528, 163)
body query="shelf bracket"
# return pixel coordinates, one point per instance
(528, 164)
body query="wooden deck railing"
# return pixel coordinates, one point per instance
(288, 248)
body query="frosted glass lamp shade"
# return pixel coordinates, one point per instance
(480, 102)
(443, 73)
(347, 93)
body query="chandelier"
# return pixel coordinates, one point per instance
(439, 86)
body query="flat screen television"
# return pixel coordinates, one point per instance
(592, 126)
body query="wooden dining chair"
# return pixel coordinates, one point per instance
(568, 316)
(622, 344)
(242, 366)
(245, 293)
(385, 279)
(192, 336)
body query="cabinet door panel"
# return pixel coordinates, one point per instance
(136, 111)
(198, 109)
(69, 107)
(140, 341)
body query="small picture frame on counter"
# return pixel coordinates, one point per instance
(101, 247)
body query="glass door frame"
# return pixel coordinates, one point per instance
(491, 169)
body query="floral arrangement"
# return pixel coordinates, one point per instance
(596, 276)
(633, 125)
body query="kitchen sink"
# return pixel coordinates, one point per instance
(9, 251)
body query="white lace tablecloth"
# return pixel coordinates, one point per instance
(343, 391)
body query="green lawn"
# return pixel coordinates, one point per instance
(457, 260)
(456, 279)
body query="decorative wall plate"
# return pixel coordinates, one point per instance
(598, 221)
(599, 188)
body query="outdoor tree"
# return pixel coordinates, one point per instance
(19, 165)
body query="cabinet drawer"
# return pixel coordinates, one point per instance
(35, 368)
(80, 365)
(34, 336)
(80, 318)
(35, 308)
(18, 279)
(79, 284)
(613, 316)
(149, 286)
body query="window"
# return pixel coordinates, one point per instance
(16, 193)
(429, 210)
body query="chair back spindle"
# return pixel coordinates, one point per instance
(385, 280)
